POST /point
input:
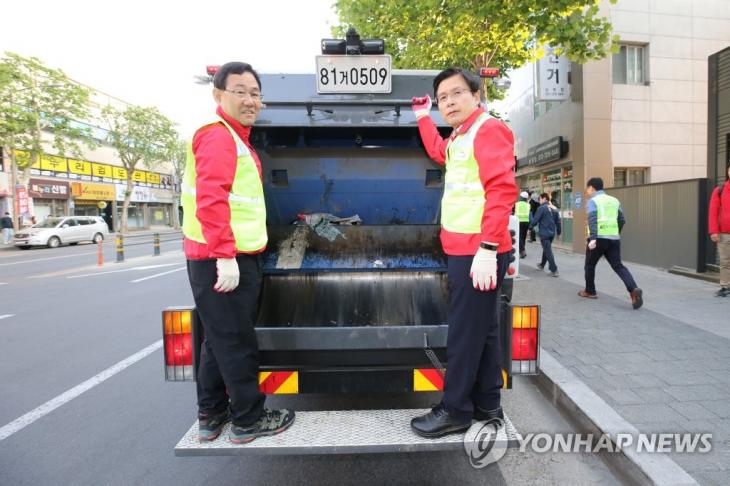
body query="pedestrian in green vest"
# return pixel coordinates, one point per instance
(605, 221)
(224, 225)
(522, 211)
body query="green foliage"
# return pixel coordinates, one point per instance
(139, 135)
(436, 34)
(38, 99)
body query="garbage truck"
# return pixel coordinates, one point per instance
(354, 293)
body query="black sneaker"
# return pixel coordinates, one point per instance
(271, 422)
(723, 292)
(211, 425)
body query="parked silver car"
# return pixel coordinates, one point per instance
(55, 231)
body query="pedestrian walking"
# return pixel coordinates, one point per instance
(548, 220)
(225, 229)
(719, 226)
(6, 222)
(605, 222)
(478, 197)
(522, 211)
(534, 204)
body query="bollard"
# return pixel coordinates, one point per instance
(99, 255)
(156, 245)
(120, 248)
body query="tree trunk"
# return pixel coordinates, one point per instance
(125, 204)
(175, 212)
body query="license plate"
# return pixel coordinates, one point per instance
(353, 74)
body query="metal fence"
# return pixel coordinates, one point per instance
(666, 224)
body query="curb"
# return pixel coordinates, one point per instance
(594, 415)
(707, 276)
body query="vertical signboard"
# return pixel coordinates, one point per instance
(552, 77)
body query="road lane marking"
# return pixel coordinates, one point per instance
(5, 316)
(48, 258)
(157, 275)
(110, 264)
(52, 404)
(146, 267)
(3, 283)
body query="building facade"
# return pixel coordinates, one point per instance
(638, 116)
(91, 185)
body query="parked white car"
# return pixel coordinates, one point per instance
(53, 232)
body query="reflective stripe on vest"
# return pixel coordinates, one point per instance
(246, 199)
(462, 206)
(607, 214)
(522, 211)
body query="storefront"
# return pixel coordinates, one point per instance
(546, 169)
(5, 200)
(160, 207)
(91, 199)
(49, 198)
(138, 201)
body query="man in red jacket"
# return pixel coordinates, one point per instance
(478, 196)
(225, 229)
(719, 224)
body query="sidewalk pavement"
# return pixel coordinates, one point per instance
(665, 368)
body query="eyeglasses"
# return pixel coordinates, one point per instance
(255, 96)
(444, 97)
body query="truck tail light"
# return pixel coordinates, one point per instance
(525, 339)
(178, 344)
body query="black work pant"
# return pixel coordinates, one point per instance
(229, 359)
(611, 249)
(547, 253)
(523, 235)
(473, 350)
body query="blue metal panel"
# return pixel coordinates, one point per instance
(382, 186)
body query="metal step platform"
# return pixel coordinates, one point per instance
(339, 432)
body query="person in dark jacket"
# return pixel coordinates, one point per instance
(549, 221)
(534, 204)
(6, 223)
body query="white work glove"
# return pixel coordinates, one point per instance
(421, 106)
(228, 274)
(483, 271)
(592, 245)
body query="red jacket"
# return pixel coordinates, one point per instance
(719, 218)
(215, 166)
(494, 151)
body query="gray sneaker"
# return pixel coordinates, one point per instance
(540, 266)
(211, 425)
(554, 274)
(271, 422)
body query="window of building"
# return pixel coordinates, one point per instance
(629, 177)
(629, 65)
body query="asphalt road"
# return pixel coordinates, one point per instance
(63, 321)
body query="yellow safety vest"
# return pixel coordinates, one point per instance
(462, 206)
(522, 211)
(607, 212)
(246, 199)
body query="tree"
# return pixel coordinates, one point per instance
(436, 34)
(177, 154)
(35, 100)
(139, 135)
